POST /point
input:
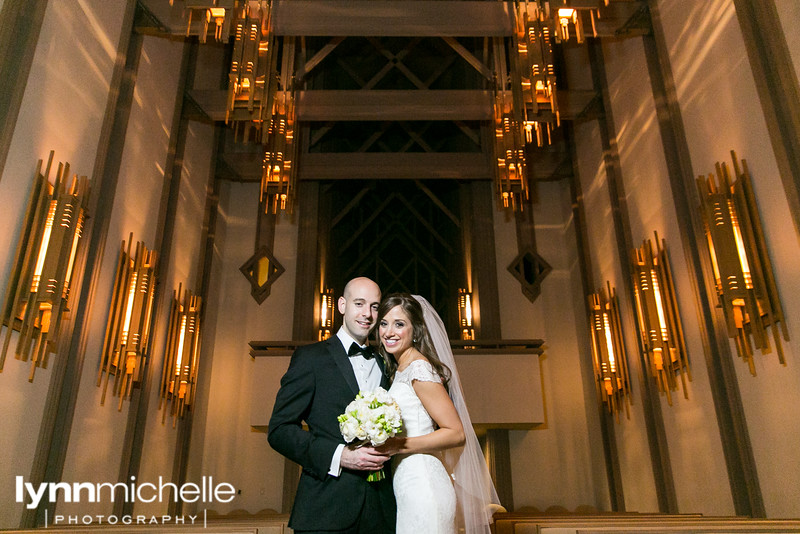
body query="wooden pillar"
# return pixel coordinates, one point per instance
(479, 223)
(307, 287)
(606, 421)
(651, 403)
(20, 24)
(778, 90)
(307, 281)
(478, 227)
(500, 465)
(736, 447)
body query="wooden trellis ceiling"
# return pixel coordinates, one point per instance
(407, 81)
(408, 240)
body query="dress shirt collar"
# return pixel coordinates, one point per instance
(346, 339)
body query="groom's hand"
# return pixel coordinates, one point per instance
(362, 458)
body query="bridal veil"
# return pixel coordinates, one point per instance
(476, 498)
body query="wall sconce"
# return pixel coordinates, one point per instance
(179, 374)
(608, 351)
(660, 331)
(325, 314)
(745, 283)
(127, 340)
(465, 314)
(38, 291)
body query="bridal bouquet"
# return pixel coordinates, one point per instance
(372, 417)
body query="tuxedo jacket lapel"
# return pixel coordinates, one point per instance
(339, 356)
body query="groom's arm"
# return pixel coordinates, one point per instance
(292, 406)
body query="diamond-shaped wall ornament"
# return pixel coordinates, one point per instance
(261, 270)
(530, 269)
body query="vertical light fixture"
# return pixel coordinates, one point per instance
(127, 340)
(511, 173)
(207, 12)
(465, 314)
(179, 373)
(38, 291)
(325, 314)
(278, 170)
(608, 351)
(526, 80)
(251, 84)
(535, 68)
(660, 331)
(745, 283)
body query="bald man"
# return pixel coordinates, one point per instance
(333, 494)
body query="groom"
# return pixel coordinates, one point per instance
(333, 494)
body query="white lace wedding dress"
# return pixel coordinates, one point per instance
(426, 501)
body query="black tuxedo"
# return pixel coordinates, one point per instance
(317, 388)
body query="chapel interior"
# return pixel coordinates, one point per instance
(602, 203)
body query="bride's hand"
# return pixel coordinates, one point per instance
(392, 446)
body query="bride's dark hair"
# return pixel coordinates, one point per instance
(421, 338)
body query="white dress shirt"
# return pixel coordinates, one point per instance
(368, 375)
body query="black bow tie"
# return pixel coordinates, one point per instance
(355, 349)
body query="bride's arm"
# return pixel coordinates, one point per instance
(439, 406)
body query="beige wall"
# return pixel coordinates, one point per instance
(136, 208)
(721, 111)
(224, 445)
(160, 439)
(62, 110)
(559, 463)
(650, 208)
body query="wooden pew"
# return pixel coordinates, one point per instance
(632, 522)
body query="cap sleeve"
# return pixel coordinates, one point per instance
(423, 371)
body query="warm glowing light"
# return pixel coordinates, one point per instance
(216, 12)
(179, 371)
(662, 322)
(741, 251)
(660, 332)
(325, 314)
(38, 291)
(745, 283)
(127, 342)
(612, 365)
(608, 353)
(465, 314)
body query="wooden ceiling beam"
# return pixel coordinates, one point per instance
(406, 18)
(377, 18)
(380, 105)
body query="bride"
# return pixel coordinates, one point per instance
(440, 480)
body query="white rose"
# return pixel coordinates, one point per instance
(380, 437)
(349, 429)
